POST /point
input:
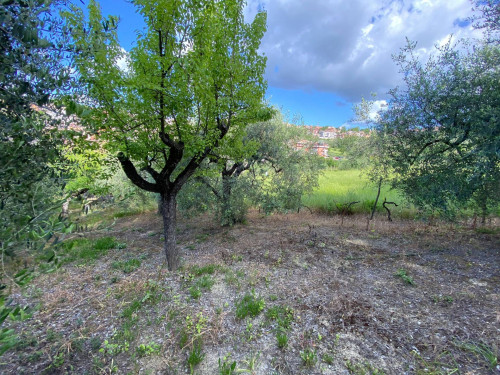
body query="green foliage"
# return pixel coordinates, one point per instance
(404, 276)
(339, 187)
(85, 249)
(309, 357)
(328, 359)
(282, 339)
(226, 367)
(249, 305)
(127, 266)
(283, 315)
(481, 349)
(362, 369)
(145, 350)
(209, 269)
(194, 80)
(270, 173)
(440, 131)
(195, 357)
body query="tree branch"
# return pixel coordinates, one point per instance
(134, 176)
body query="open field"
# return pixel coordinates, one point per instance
(283, 294)
(337, 187)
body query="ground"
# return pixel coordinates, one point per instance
(323, 296)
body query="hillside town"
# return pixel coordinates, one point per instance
(320, 147)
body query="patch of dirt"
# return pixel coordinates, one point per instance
(349, 309)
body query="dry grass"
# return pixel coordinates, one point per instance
(339, 280)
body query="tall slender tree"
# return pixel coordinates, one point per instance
(192, 84)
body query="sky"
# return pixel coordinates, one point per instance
(323, 56)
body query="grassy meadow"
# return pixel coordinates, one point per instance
(340, 187)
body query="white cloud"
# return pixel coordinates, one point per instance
(123, 61)
(345, 46)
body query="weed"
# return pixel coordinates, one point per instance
(250, 364)
(127, 266)
(282, 340)
(436, 367)
(309, 357)
(144, 350)
(273, 297)
(226, 367)
(195, 357)
(195, 292)
(484, 230)
(105, 243)
(282, 314)
(440, 298)
(480, 349)
(58, 360)
(404, 276)
(209, 269)
(205, 282)
(112, 349)
(249, 306)
(362, 369)
(131, 309)
(328, 358)
(95, 343)
(201, 238)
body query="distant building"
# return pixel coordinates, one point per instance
(318, 148)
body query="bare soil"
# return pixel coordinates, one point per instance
(351, 313)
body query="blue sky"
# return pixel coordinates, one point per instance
(325, 55)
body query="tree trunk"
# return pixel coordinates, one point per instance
(168, 212)
(227, 212)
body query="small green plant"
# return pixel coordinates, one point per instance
(481, 349)
(205, 282)
(282, 340)
(444, 299)
(195, 292)
(113, 349)
(283, 315)
(127, 266)
(131, 309)
(250, 364)
(404, 276)
(209, 269)
(226, 367)
(309, 357)
(249, 306)
(144, 350)
(363, 369)
(105, 243)
(95, 343)
(328, 358)
(195, 357)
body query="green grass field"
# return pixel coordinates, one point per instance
(339, 187)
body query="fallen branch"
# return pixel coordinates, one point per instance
(387, 208)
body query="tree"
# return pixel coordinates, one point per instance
(193, 82)
(31, 77)
(441, 131)
(271, 173)
(488, 19)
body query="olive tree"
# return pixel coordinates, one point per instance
(270, 173)
(441, 130)
(193, 82)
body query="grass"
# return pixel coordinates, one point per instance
(338, 187)
(85, 249)
(127, 266)
(404, 276)
(249, 305)
(309, 357)
(480, 349)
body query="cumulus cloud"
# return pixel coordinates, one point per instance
(345, 46)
